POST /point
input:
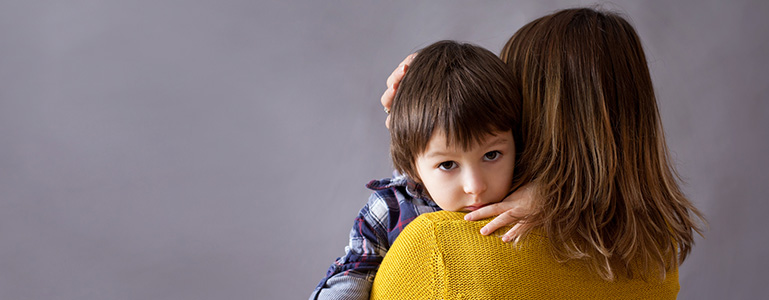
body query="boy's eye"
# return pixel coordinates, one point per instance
(491, 155)
(447, 165)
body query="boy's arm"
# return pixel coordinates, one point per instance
(351, 276)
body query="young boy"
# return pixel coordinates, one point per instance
(454, 125)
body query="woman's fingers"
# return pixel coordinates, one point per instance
(387, 97)
(512, 234)
(392, 85)
(487, 211)
(394, 80)
(504, 219)
(395, 77)
(509, 212)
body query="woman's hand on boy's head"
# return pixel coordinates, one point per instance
(517, 205)
(392, 84)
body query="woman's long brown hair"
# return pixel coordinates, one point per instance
(594, 146)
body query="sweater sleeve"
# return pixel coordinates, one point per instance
(410, 268)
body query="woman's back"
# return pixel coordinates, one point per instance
(441, 256)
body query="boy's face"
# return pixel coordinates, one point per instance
(467, 180)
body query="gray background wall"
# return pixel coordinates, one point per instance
(218, 149)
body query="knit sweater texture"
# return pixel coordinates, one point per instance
(441, 256)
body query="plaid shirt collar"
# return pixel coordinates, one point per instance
(413, 188)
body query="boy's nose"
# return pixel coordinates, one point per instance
(474, 183)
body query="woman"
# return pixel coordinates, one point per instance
(599, 192)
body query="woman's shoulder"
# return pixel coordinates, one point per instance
(442, 216)
(455, 221)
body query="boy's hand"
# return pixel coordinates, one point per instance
(514, 207)
(392, 84)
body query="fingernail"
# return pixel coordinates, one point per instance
(468, 217)
(484, 231)
(505, 239)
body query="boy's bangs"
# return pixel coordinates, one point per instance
(465, 131)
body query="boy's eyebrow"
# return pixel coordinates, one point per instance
(438, 153)
(499, 140)
(496, 141)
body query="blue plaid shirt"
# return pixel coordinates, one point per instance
(394, 203)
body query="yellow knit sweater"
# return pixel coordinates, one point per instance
(441, 256)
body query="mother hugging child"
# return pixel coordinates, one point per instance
(560, 138)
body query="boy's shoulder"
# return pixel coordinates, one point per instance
(396, 181)
(399, 194)
(400, 187)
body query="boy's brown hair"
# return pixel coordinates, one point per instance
(595, 148)
(463, 90)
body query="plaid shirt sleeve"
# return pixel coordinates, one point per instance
(394, 203)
